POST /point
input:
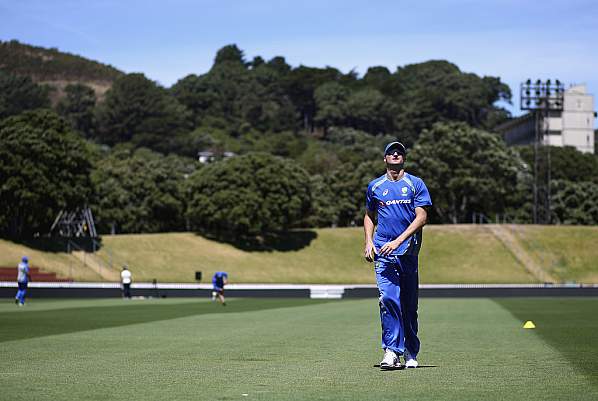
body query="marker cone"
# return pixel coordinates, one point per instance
(529, 325)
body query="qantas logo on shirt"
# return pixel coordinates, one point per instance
(395, 202)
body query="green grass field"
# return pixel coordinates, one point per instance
(450, 254)
(277, 349)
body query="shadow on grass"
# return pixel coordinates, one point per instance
(567, 324)
(404, 368)
(59, 244)
(284, 242)
(23, 324)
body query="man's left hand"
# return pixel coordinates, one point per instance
(389, 247)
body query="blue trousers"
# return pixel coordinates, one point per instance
(397, 278)
(21, 292)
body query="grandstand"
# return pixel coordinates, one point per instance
(10, 274)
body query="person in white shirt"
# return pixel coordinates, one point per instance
(126, 279)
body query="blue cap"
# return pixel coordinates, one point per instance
(398, 146)
(24, 259)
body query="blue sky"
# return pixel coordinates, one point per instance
(167, 40)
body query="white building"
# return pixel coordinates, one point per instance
(205, 157)
(574, 126)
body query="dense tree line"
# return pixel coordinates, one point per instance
(307, 141)
(44, 64)
(242, 98)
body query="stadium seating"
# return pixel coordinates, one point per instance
(10, 274)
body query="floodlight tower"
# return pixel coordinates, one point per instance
(544, 100)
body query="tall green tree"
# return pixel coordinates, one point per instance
(437, 91)
(78, 107)
(379, 78)
(200, 96)
(339, 194)
(301, 85)
(20, 93)
(239, 96)
(140, 191)
(574, 202)
(230, 54)
(266, 104)
(370, 111)
(566, 163)
(137, 110)
(44, 168)
(248, 196)
(466, 170)
(331, 104)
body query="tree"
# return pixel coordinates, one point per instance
(331, 104)
(20, 93)
(349, 190)
(250, 196)
(199, 95)
(466, 170)
(301, 84)
(239, 96)
(230, 54)
(566, 163)
(324, 210)
(574, 202)
(137, 109)
(140, 191)
(379, 78)
(339, 195)
(78, 108)
(370, 111)
(437, 91)
(44, 168)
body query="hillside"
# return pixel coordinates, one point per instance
(56, 68)
(451, 254)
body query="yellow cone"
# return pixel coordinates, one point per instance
(529, 325)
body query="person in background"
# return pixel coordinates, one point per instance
(23, 279)
(126, 279)
(218, 281)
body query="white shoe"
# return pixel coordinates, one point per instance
(390, 360)
(410, 361)
(213, 295)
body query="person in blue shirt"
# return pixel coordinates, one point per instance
(218, 281)
(23, 279)
(397, 201)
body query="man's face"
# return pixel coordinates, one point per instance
(394, 157)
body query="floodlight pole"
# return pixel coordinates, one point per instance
(548, 173)
(541, 98)
(536, 145)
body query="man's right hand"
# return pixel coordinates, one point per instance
(369, 252)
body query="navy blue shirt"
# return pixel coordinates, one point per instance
(218, 279)
(395, 203)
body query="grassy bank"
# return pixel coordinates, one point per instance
(61, 263)
(569, 253)
(450, 254)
